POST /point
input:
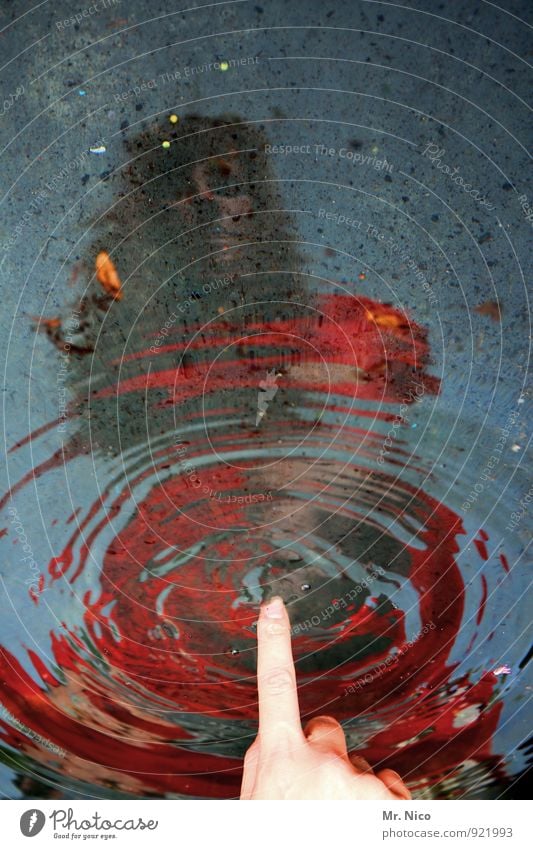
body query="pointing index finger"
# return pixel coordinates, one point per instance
(278, 697)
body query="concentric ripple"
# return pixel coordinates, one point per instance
(287, 469)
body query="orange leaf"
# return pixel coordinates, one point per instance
(107, 275)
(389, 320)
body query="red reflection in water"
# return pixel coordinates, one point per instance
(112, 742)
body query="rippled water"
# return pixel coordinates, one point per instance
(280, 434)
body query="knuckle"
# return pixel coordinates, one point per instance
(272, 628)
(285, 738)
(275, 629)
(278, 681)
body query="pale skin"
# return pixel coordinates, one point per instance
(288, 762)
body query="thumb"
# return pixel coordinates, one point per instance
(326, 734)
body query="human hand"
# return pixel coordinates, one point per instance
(286, 762)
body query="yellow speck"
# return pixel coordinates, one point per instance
(166, 145)
(224, 66)
(221, 310)
(375, 149)
(173, 119)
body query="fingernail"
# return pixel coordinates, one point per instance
(274, 608)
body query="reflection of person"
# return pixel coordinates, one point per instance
(198, 238)
(285, 762)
